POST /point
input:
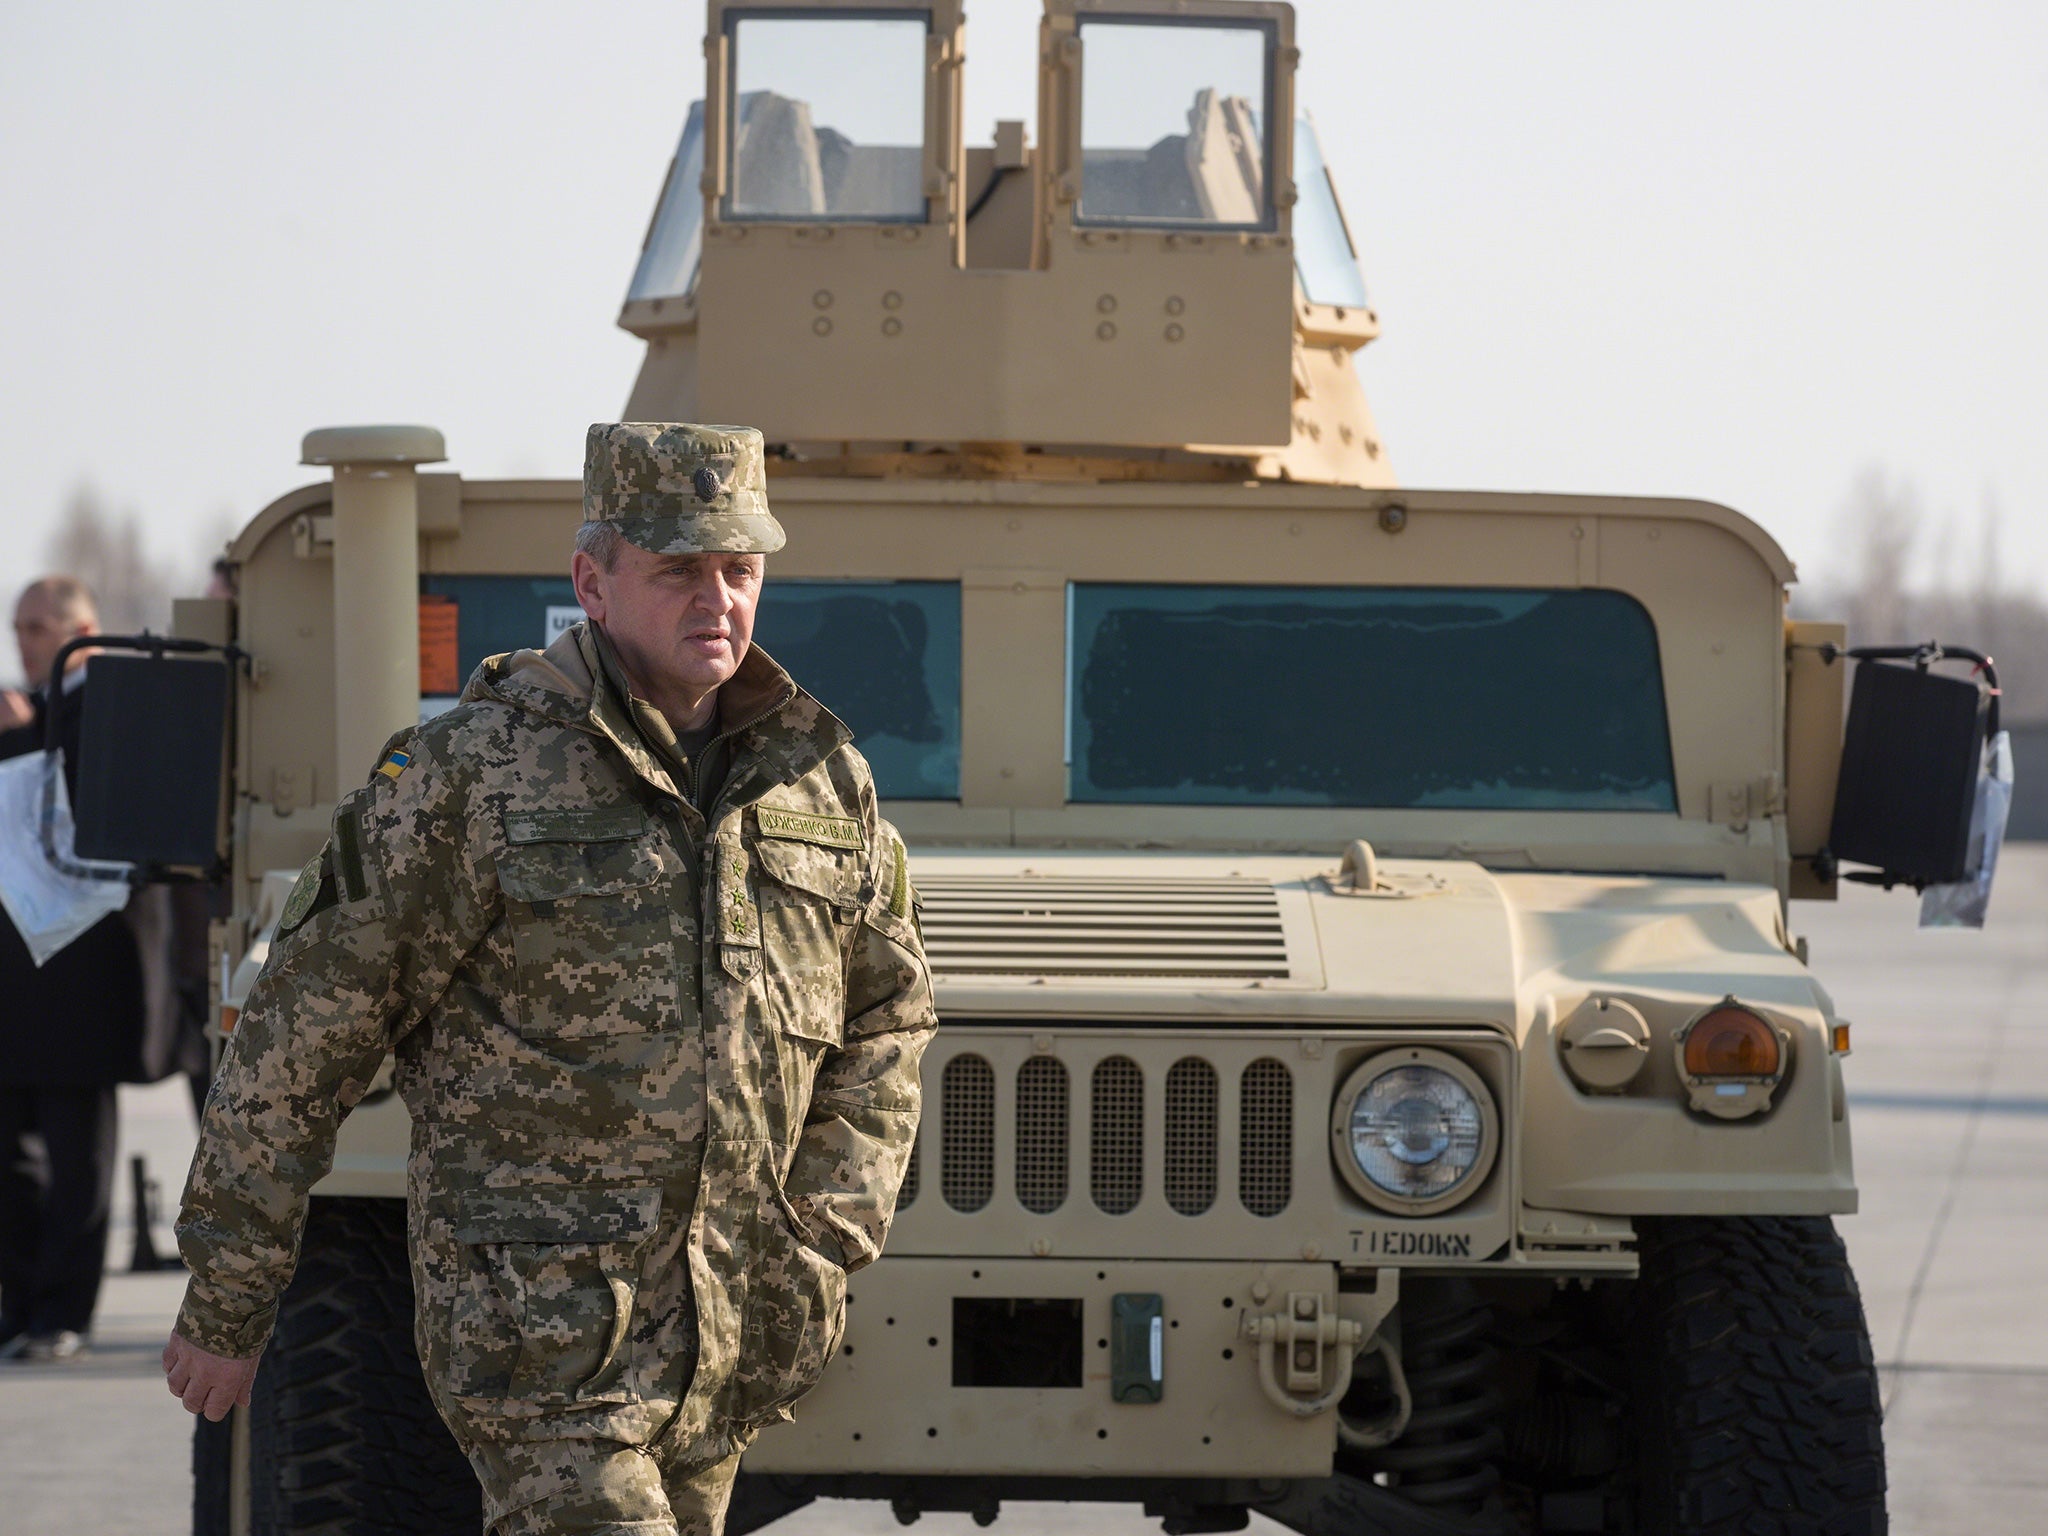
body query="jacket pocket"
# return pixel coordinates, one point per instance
(592, 931)
(543, 1312)
(809, 897)
(795, 1318)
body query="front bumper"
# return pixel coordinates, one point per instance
(898, 1398)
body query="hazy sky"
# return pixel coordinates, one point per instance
(1738, 249)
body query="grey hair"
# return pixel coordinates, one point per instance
(72, 598)
(601, 541)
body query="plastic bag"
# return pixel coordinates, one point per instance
(1962, 903)
(49, 907)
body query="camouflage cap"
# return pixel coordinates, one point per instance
(674, 488)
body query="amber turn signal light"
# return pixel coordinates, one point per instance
(1731, 1042)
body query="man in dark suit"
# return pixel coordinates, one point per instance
(101, 1011)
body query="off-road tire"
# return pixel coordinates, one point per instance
(1755, 1389)
(343, 1440)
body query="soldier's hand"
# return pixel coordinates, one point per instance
(205, 1382)
(15, 709)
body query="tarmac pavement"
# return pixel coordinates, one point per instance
(1949, 1091)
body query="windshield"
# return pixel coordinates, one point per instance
(675, 241)
(884, 656)
(1411, 697)
(1170, 123)
(828, 118)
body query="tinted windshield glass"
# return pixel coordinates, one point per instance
(828, 118)
(1419, 697)
(668, 266)
(1170, 117)
(885, 658)
(1322, 246)
(882, 656)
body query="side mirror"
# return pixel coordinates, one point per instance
(152, 759)
(1912, 751)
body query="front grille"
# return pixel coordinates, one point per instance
(967, 1116)
(1116, 1136)
(1265, 1169)
(1015, 1131)
(1042, 1134)
(1193, 1135)
(1190, 1171)
(907, 1196)
(1087, 925)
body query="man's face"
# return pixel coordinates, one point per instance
(681, 623)
(40, 629)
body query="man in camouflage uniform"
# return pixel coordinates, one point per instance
(643, 951)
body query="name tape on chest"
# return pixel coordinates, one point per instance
(803, 827)
(579, 824)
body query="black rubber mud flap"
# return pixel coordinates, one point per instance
(1755, 1388)
(343, 1440)
(212, 1455)
(760, 1499)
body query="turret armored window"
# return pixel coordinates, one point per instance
(1324, 257)
(1172, 117)
(675, 240)
(827, 118)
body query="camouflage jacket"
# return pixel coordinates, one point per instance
(662, 1068)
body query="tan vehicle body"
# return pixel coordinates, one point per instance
(1035, 401)
(1492, 953)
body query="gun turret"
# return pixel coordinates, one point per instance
(1163, 287)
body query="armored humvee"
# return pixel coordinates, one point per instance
(1379, 1086)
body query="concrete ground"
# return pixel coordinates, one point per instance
(1949, 1082)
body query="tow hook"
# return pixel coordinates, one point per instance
(1303, 1331)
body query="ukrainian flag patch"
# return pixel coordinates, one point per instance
(395, 763)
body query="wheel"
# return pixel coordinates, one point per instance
(343, 1440)
(1754, 1387)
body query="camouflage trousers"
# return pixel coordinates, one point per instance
(599, 1488)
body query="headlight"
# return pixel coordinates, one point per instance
(1415, 1131)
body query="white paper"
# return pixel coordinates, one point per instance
(1963, 903)
(48, 907)
(559, 620)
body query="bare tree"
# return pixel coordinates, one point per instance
(1883, 519)
(105, 550)
(1879, 600)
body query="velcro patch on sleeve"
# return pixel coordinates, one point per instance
(803, 827)
(348, 854)
(899, 895)
(581, 824)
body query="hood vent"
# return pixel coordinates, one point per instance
(1078, 925)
